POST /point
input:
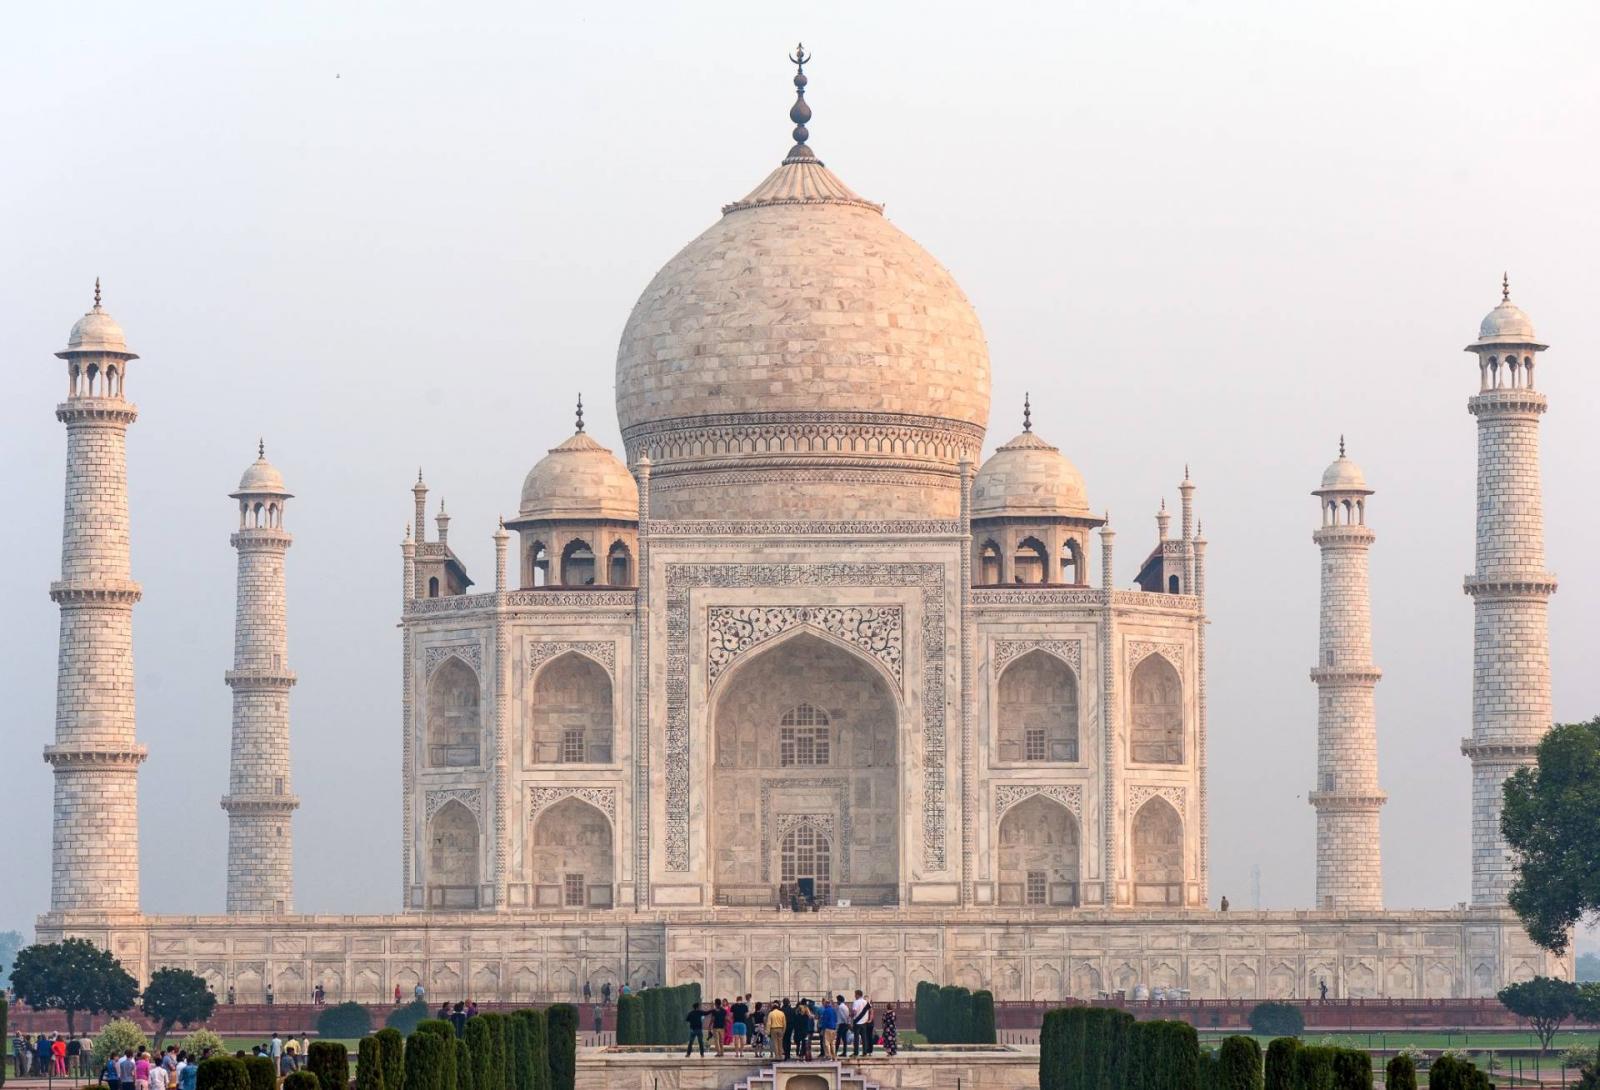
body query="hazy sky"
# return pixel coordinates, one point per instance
(391, 234)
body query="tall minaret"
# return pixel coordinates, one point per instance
(259, 802)
(1510, 589)
(1346, 795)
(94, 862)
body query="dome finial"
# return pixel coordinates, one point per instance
(97, 293)
(1341, 445)
(1027, 413)
(261, 447)
(800, 113)
(1505, 287)
(580, 412)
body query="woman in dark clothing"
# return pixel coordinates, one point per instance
(891, 1036)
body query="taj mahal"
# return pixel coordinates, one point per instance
(800, 646)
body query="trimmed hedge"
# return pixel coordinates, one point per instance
(535, 1029)
(1280, 1063)
(1210, 1077)
(392, 1056)
(950, 1014)
(497, 1053)
(435, 1025)
(262, 1074)
(1089, 1048)
(1240, 1060)
(369, 1064)
(1452, 1073)
(344, 1020)
(222, 1073)
(301, 1080)
(406, 1019)
(466, 1077)
(630, 1020)
(1400, 1073)
(1352, 1069)
(983, 1032)
(656, 1017)
(1277, 1020)
(425, 1061)
(329, 1061)
(561, 1045)
(1313, 1068)
(477, 1038)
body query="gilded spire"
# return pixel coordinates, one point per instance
(261, 447)
(97, 293)
(580, 412)
(1027, 413)
(1505, 288)
(1341, 446)
(800, 113)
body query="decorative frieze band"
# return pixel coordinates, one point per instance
(603, 799)
(755, 528)
(1068, 651)
(470, 797)
(928, 579)
(733, 630)
(1069, 795)
(1141, 793)
(469, 653)
(602, 651)
(1139, 650)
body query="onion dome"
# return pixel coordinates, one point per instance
(802, 324)
(1028, 476)
(97, 331)
(261, 478)
(1343, 475)
(580, 479)
(1507, 323)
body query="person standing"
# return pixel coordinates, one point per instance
(740, 1013)
(125, 1070)
(419, 993)
(396, 995)
(291, 1054)
(58, 1054)
(188, 1078)
(108, 1074)
(231, 995)
(42, 1059)
(588, 994)
(86, 1055)
(697, 1030)
(17, 1046)
(778, 1030)
(805, 1025)
(269, 993)
(605, 993)
(891, 1033)
(828, 1019)
(275, 1052)
(160, 1077)
(141, 1071)
(861, 1024)
(719, 1025)
(842, 1012)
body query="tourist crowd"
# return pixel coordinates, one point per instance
(803, 1030)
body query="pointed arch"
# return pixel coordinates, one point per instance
(453, 857)
(454, 716)
(1157, 853)
(1037, 709)
(573, 714)
(1038, 854)
(577, 564)
(1031, 562)
(1156, 733)
(571, 856)
(989, 566)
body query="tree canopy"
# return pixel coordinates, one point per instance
(176, 997)
(1545, 1002)
(72, 975)
(1551, 819)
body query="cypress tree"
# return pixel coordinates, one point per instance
(927, 996)
(222, 1073)
(497, 1053)
(425, 1060)
(392, 1055)
(301, 1080)
(476, 1036)
(262, 1071)
(1313, 1068)
(629, 1019)
(534, 1024)
(369, 1065)
(983, 1032)
(1240, 1058)
(561, 1033)
(435, 1025)
(329, 1061)
(518, 1074)
(1052, 1050)
(1400, 1073)
(1352, 1069)
(1280, 1063)
(466, 1077)
(1210, 1077)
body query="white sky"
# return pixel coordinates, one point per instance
(391, 234)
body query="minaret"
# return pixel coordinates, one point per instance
(94, 862)
(259, 801)
(1346, 795)
(1510, 589)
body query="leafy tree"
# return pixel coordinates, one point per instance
(369, 1064)
(176, 997)
(1545, 1002)
(117, 1037)
(262, 1071)
(4, 1009)
(329, 1061)
(72, 975)
(344, 1021)
(201, 1041)
(392, 1055)
(561, 1045)
(1400, 1073)
(1277, 1020)
(406, 1019)
(1551, 819)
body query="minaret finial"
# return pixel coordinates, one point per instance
(1341, 445)
(800, 113)
(1505, 287)
(261, 447)
(1027, 412)
(97, 293)
(580, 412)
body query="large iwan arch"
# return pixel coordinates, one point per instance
(805, 730)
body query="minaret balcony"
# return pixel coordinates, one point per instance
(1346, 800)
(1346, 675)
(1517, 752)
(260, 804)
(1536, 585)
(1510, 401)
(104, 410)
(259, 679)
(100, 592)
(69, 754)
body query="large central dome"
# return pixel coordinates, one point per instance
(803, 358)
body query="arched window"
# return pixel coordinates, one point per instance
(1038, 858)
(454, 730)
(1072, 570)
(1156, 736)
(803, 737)
(577, 564)
(1031, 562)
(453, 858)
(1157, 854)
(572, 715)
(619, 567)
(806, 863)
(1172, 584)
(433, 586)
(989, 564)
(538, 570)
(570, 860)
(1038, 710)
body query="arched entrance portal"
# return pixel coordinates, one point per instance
(805, 790)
